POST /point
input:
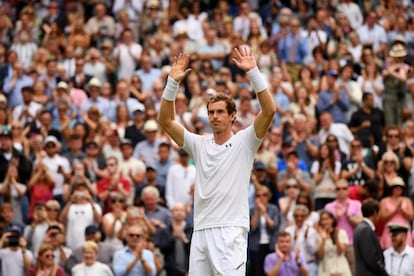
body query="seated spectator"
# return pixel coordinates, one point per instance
(305, 199)
(7, 213)
(45, 264)
(89, 264)
(134, 259)
(387, 171)
(79, 174)
(136, 216)
(53, 212)
(40, 186)
(284, 261)
(105, 251)
(303, 178)
(288, 202)
(79, 212)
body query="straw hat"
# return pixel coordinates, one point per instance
(398, 51)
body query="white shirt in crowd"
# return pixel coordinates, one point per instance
(96, 269)
(399, 264)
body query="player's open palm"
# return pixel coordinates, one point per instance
(244, 58)
(179, 67)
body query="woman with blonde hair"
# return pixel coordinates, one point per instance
(112, 222)
(90, 265)
(45, 264)
(40, 185)
(387, 170)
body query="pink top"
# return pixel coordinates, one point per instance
(385, 240)
(354, 210)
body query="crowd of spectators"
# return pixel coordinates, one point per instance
(90, 184)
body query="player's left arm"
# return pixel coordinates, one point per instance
(245, 60)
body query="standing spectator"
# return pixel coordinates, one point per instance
(163, 163)
(395, 87)
(369, 259)
(176, 242)
(15, 259)
(7, 213)
(14, 83)
(368, 120)
(293, 49)
(134, 131)
(283, 261)
(94, 66)
(101, 26)
(11, 190)
(147, 149)
(265, 223)
(113, 183)
(293, 170)
(373, 33)
(36, 231)
(325, 173)
(342, 133)
(332, 248)
(134, 259)
(127, 54)
(105, 251)
(45, 264)
(25, 48)
(112, 221)
(57, 165)
(179, 179)
(371, 81)
(95, 100)
(333, 99)
(352, 12)
(147, 73)
(305, 238)
(212, 50)
(90, 265)
(79, 212)
(395, 208)
(399, 253)
(26, 112)
(56, 238)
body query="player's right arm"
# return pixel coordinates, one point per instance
(166, 116)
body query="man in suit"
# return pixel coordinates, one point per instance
(368, 253)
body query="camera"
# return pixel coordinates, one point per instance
(81, 194)
(13, 239)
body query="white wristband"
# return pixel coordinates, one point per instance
(170, 90)
(258, 82)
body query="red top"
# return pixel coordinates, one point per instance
(103, 185)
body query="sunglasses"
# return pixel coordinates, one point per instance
(52, 210)
(134, 235)
(393, 136)
(49, 256)
(342, 188)
(291, 186)
(261, 195)
(117, 200)
(389, 161)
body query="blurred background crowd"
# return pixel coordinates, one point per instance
(90, 184)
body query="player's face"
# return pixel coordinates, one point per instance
(218, 116)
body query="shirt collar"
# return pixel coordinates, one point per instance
(369, 223)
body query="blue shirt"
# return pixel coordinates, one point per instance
(301, 48)
(123, 257)
(101, 103)
(14, 94)
(283, 102)
(338, 109)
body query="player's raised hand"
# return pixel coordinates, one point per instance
(244, 58)
(179, 68)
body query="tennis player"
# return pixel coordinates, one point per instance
(224, 163)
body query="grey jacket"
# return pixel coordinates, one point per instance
(254, 235)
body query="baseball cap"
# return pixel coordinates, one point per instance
(150, 125)
(397, 181)
(5, 132)
(126, 141)
(137, 109)
(332, 73)
(13, 228)
(62, 85)
(259, 165)
(91, 229)
(182, 152)
(51, 139)
(94, 82)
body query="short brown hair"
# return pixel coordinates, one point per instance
(230, 104)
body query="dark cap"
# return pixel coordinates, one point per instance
(5, 132)
(182, 152)
(259, 165)
(293, 152)
(91, 229)
(13, 228)
(151, 167)
(396, 228)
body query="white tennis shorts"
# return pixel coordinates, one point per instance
(219, 251)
